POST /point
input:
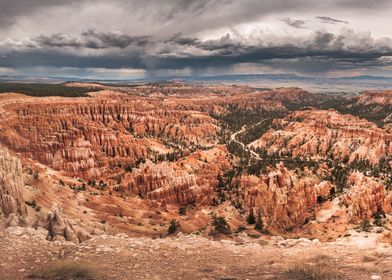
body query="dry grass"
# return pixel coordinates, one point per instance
(64, 270)
(319, 268)
(323, 259)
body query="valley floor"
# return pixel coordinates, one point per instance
(194, 257)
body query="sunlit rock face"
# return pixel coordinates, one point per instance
(191, 180)
(86, 137)
(326, 134)
(375, 97)
(11, 184)
(366, 197)
(285, 200)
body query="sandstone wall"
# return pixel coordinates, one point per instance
(285, 200)
(366, 197)
(83, 138)
(11, 184)
(326, 133)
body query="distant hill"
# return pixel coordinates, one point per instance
(349, 84)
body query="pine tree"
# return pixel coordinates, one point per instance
(182, 211)
(220, 225)
(259, 222)
(173, 227)
(251, 217)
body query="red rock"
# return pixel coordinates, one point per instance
(326, 134)
(285, 200)
(86, 137)
(11, 184)
(191, 180)
(375, 97)
(366, 197)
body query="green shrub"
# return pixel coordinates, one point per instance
(259, 221)
(240, 228)
(32, 203)
(251, 217)
(365, 225)
(220, 225)
(173, 227)
(128, 169)
(182, 211)
(47, 89)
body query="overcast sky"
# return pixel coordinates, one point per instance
(128, 39)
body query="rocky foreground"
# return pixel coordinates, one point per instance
(359, 256)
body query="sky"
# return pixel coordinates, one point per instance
(127, 39)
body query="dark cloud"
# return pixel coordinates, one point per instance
(57, 59)
(91, 39)
(331, 20)
(325, 49)
(180, 40)
(294, 23)
(225, 44)
(346, 47)
(114, 39)
(57, 40)
(156, 34)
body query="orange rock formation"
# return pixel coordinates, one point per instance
(326, 133)
(284, 199)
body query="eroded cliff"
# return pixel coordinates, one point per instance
(11, 185)
(321, 134)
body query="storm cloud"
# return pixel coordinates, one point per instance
(331, 20)
(151, 35)
(91, 39)
(294, 23)
(179, 52)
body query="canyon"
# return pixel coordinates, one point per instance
(214, 161)
(327, 133)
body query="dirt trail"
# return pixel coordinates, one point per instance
(233, 137)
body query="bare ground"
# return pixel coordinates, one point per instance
(193, 257)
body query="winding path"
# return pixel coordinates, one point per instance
(233, 137)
